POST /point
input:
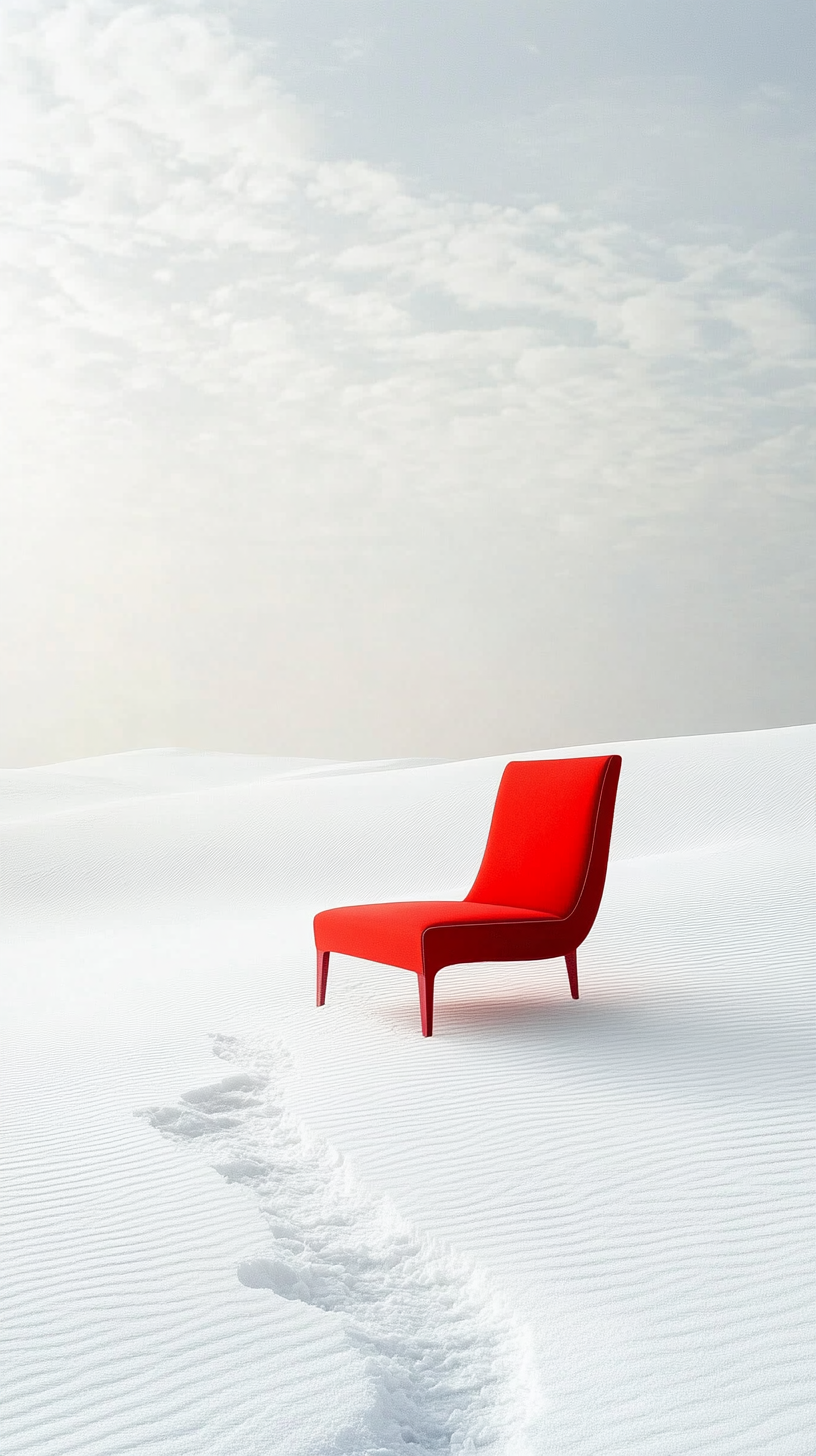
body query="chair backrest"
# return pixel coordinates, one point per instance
(549, 836)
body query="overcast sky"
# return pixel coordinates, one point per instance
(405, 376)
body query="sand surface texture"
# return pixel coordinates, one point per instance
(232, 1225)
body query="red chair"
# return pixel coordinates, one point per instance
(536, 894)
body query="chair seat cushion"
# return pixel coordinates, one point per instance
(392, 933)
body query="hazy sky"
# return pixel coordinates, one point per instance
(405, 376)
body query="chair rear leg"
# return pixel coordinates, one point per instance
(426, 991)
(572, 971)
(322, 975)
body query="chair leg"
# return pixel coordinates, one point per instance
(572, 971)
(322, 975)
(426, 990)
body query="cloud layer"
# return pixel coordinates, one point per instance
(268, 406)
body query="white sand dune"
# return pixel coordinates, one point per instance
(555, 1227)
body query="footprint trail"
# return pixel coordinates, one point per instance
(448, 1363)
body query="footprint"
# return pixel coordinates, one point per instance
(449, 1362)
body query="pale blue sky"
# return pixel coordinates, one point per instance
(676, 110)
(388, 377)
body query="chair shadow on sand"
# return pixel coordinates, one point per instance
(675, 1042)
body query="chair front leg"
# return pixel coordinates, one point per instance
(426, 991)
(322, 975)
(572, 971)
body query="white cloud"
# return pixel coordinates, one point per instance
(772, 328)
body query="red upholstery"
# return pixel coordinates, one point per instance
(392, 934)
(536, 895)
(541, 835)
